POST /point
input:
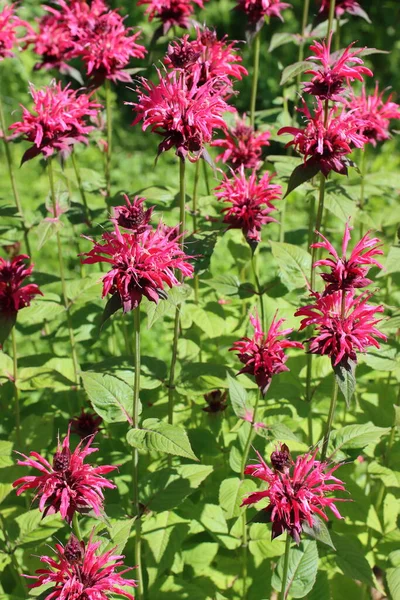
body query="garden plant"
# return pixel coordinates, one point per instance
(199, 300)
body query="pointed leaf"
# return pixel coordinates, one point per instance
(301, 174)
(113, 304)
(238, 397)
(111, 397)
(158, 436)
(293, 70)
(318, 531)
(294, 264)
(7, 322)
(345, 374)
(303, 567)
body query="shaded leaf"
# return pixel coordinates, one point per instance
(301, 174)
(345, 373)
(293, 70)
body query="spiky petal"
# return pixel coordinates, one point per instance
(242, 145)
(13, 295)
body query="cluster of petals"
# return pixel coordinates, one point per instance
(206, 57)
(257, 10)
(14, 295)
(348, 273)
(375, 113)
(171, 13)
(13, 31)
(264, 354)
(57, 121)
(183, 112)
(80, 572)
(333, 71)
(344, 324)
(242, 145)
(343, 6)
(68, 485)
(132, 215)
(326, 141)
(140, 265)
(89, 31)
(296, 493)
(250, 201)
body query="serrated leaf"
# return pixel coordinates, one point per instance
(208, 321)
(318, 531)
(111, 397)
(279, 39)
(356, 436)
(119, 533)
(33, 527)
(301, 174)
(293, 70)
(238, 397)
(393, 581)
(303, 567)
(158, 436)
(294, 264)
(350, 558)
(345, 374)
(231, 494)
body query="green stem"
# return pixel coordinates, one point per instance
(318, 222)
(62, 273)
(331, 16)
(329, 423)
(109, 137)
(249, 438)
(282, 222)
(194, 216)
(283, 594)
(206, 181)
(259, 289)
(76, 527)
(135, 457)
(363, 168)
(306, 10)
(254, 84)
(337, 36)
(81, 190)
(3, 127)
(16, 391)
(171, 382)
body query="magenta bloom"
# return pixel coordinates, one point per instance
(344, 6)
(257, 10)
(80, 573)
(375, 113)
(250, 201)
(296, 491)
(13, 295)
(206, 57)
(13, 31)
(171, 12)
(86, 424)
(140, 265)
(54, 42)
(67, 485)
(133, 216)
(327, 145)
(338, 335)
(242, 145)
(183, 113)
(348, 273)
(57, 121)
(264, 354)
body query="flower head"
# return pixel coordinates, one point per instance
(242, 145)
(348, 273)
(250, 201)
(171, 12)
(344, 325)
(296, 491)
(343, 6)
(326, 142)
(183, 113)
(14, 295)
(206, 57)
(53, 42)
(257, 10)
(333, 72)
(13, 31)
(264, 354)
(133, 216)
(80, 572)
(68, 485)
(375, 114)
(216, 401)
(86, 424)
(57, 121)
(140, 265)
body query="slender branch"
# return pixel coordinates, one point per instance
(329, 423)
(254, 85)
(16, 391)
(205, 173)
(109, 137)
(194, 216)
(304, 21)
(81, 190)
(318, 222)
(76, 527)
(331, 16)
(363, 168)
(135, 457)
(259, 289)
(283, 594)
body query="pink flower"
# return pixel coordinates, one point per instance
(133, 216)
(344, 325)
(86, 424)
(171, 12)
(14, 296)
(80, 573)
(264, 354)
(67, 485)
(250, 201)
(13, 31)
(140, 265)
(348, 273)
(296, 491)
(375, 113)
(342, 6)
(326, 142)
(333, 72)
(257, 10)
(53, 42)
(57, 121)
(206, 57)
(242, 145)
(183, 113)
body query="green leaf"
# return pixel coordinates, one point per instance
(113, 305)
(278, 39)
(356, 436)
(301, 174)
(111, 397)
(393, 581)
(350, 558)
(119, 533)
(175, 297)
(6, 454)
(320, 590)
(392, 261)
(318, 531)
(45, 231)
(294, 264)
(211, 323)
(293, 70)
(303, 567)
(238, 397)
(231, 494)
(201, 246)
(33, 527)
(345, 374)
(158, 436)
(7, 322)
